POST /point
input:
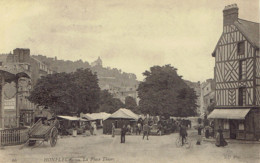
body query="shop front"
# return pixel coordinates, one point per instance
(235, 123)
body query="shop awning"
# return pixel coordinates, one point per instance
(229, 113)
(69, 118)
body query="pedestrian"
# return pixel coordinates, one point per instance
(136, 129)
(139, 128)
(87, 129)
(129, 128)
(183, 133)
(113, 130)
(146, 129)
(200, 127)
(94, 128)
(91, 128)
(220, 141)
(212, 125)
(123, 132)
(159, 131)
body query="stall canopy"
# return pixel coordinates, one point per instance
(124, 114)
(71, 118)
(229, 113)
(96, 116)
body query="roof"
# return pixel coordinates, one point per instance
(250, 30)
(11, 75)
(229, 113)
(95, 116)
(70, 118)
(124, 114)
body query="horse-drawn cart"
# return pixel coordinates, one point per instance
(43, 132)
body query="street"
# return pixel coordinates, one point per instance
(104, 148)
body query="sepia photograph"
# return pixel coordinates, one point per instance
(117, 81)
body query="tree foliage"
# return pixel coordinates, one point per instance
(65, 93)
(163, 92)
(130, 103)
(108, 103)
(186, 102)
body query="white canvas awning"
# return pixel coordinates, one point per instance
(124, 114)
(95, 116)
(228, 113)
(69, 118)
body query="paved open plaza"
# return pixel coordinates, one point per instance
(104, 148)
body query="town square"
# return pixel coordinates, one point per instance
(130, 81)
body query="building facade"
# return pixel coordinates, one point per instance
(237, 76)
(207, 95)
(21, 61)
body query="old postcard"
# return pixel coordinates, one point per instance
(129, 81)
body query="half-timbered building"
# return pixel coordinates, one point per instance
(237, 77)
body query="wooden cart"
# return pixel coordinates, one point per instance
(41, 132)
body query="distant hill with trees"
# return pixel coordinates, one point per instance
(107, 76)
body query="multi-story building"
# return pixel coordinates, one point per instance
(122, 92)
(23, 58)
(237, 76)
(21, 61)
(207, 95)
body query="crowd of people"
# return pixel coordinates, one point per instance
(145, 126)
(203, 126)
(209, 129)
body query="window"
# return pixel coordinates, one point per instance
(242, 96)
(241, 48)
(241, 126)
(242, 69)
(226, 124)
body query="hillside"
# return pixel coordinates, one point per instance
(108, 77)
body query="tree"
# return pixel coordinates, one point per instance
(186, 102)
(87, 91)
(159, 93)
(108, 103)
(65, 93)
(130, 103)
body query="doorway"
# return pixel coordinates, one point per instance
(116, 124)
(233, 128)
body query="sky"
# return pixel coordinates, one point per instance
(129, 35)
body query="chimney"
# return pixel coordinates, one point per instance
(230, 14)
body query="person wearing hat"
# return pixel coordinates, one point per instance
(123, 132)
(146, 130)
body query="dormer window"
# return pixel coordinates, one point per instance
(241, 48)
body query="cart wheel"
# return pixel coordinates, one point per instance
(178, 142)
(187, 143)
(53, 136)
